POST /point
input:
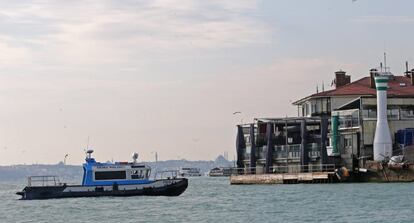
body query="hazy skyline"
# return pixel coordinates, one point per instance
(167, 76)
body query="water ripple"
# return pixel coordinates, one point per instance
(214, 200)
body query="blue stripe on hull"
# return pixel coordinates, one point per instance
(121, 182)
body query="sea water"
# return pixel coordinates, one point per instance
(215, 200)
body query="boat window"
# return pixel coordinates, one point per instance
(110, 175)
(139, 174)
(134, 177)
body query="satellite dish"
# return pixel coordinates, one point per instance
(89, 151)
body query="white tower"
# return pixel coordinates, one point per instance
(382, 140)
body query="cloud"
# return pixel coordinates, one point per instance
(11, 55)
(116, 32)
(121, 69)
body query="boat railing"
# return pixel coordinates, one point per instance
(290, 169)
(166, 174)
(37, 181)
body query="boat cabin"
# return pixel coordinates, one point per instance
(118, 173)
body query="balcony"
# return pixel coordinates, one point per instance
(283, 152)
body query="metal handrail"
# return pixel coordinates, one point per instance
(47, 180)
(291, 169)
(173, 174)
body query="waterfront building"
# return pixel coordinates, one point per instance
(335, 127)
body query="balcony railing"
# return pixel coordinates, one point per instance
(287, 151)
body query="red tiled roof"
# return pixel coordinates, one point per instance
(362, 87)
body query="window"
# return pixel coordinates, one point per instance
(347, 142)
(369, 112)
(314, 106)
(392, 113)
(324, 105)
(135, 177)
(355, 119)
(136, 174)
(247, 139)
(140, 174)
(304, 108)
(318, 106)
(328, 104)
(407, 112)
(248, 149)
(349, 121)
(110, 175)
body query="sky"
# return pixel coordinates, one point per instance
(165, 76)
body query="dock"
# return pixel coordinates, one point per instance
(299, 174)
(318, 177)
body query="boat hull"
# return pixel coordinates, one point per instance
(379, 172)
(167, 187)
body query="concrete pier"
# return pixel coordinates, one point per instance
(283, 178)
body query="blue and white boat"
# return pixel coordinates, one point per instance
(107, 179)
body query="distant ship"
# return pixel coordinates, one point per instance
(220, 172)
(107, 179)
(190, 172)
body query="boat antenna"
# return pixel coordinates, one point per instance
(87, 144)
(385, 61)
(88, 151)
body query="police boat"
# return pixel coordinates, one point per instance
(107, 179)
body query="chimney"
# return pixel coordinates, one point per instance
(407, 72)
(341, 79)
(372, 74)
(412, 77)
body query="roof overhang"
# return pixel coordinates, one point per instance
(288, 119)
(353, 104)
(303, 100)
